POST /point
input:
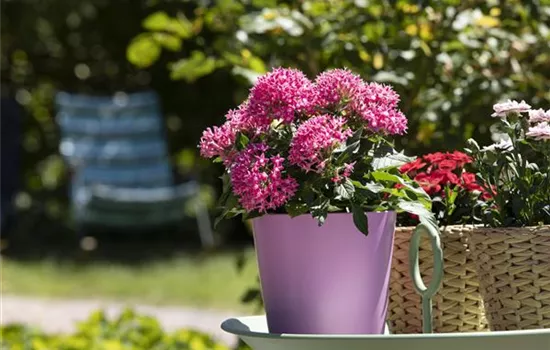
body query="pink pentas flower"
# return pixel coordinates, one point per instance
(343, 173)
(259, 181)
(380, 94)
(337, 86)
(503, 108)
(219, 141)
(539, 115)
(314, 141)
(540, 132)
(216, 140)
(382, 118)
(280, 94)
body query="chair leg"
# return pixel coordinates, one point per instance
(204, 225)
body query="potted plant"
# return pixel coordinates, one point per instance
(458, 305)
(512, 253)
(311, 163)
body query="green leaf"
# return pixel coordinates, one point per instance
(319, 209)
(370, 186)
(352, 146)
(143, 50)
(250, 75)
(156, 21)
(256, 64)
(161, 22)
(360, 219)
(180, 26)
(345, 190)
(296, 209)
(473, 145)
(192, 68)
(390, 160)
(414, 208)
(384, 176)
(242, 141)
(414, 193)
(168, 41)
(390, 77)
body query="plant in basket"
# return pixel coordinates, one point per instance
(458, 305)
(453, 189)
(312, 163)
(513, 252)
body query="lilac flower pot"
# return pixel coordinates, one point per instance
(324, 280)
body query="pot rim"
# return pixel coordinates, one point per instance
(330, 213)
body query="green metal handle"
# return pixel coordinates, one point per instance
(426, 293)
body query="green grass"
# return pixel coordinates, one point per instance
(208, 282)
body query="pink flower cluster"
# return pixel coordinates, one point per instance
(373, 103)
(316, 117)
(219, 141)
(314, 141)
(337, 86)
(281, 94)
(259, 180)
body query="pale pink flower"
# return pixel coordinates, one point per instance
(315, 140)
(539, 115)
(280, 94)
(503, 108)
(259, 181)
(502, 146)
(540, 132)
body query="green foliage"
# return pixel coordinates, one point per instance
(129, 331)
(516, 172)
(448, 59)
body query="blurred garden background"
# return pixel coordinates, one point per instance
(450, 60)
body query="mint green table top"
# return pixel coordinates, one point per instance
(253, 330)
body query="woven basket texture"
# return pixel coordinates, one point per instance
(513, 265)
(458, 305)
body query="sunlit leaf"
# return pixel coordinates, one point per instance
(192, 68)
(143, 51)
(156, 21)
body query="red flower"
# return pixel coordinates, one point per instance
(434, 157)
(442, 169)
(448, 165)
(430, 183)
(468, 178)
(415, 165)
(470, 183)
(461, 158)
(448, 177)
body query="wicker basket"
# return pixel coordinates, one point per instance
(457, 307)
(514, 269)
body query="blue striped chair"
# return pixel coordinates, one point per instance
(122, 177)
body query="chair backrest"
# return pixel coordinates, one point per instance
(114, 140)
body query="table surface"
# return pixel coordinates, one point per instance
(253, 330)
